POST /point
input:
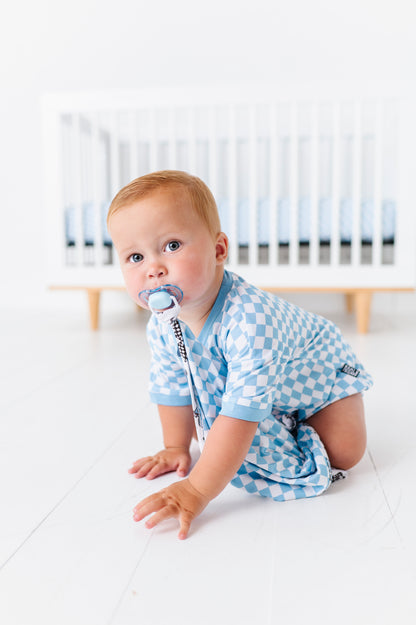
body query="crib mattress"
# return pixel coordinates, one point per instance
(325, 216)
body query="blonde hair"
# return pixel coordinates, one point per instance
(201, 197)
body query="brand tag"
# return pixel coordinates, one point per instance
(350, 370)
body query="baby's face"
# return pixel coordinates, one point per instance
(161, 240)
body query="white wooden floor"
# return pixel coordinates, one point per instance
(75, 414)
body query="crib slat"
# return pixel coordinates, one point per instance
(153, 157)
(335, 249)
(314, 234)
(76, 188)
(252, 188)
(56, 146)
(273, 233)
(191, 140)
(356, 186)
(66, 178)
(171, 139)
(96, 199)
(294, 187)
(86, 191)
(378, 147)
(133, 136)
(114, 154)
(404, 135)
(232, 187)
(212, 151)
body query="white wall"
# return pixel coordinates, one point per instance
(50, 45)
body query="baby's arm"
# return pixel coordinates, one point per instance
(226, 447)
(178, 428)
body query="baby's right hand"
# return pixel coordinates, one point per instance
(171, 459)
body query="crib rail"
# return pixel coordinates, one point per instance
(311, 190)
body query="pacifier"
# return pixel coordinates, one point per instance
(163, 301)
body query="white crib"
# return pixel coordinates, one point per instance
(315, 189)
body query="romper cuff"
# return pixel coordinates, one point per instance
(170, 400)
(246, 413)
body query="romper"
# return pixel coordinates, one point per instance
(261, 358)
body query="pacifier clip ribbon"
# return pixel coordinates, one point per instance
(164, 302)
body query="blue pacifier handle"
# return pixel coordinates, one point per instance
(160, 300)
(163, 301)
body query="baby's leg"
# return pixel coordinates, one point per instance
(341, 427)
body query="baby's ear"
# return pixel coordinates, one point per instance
(221, 247)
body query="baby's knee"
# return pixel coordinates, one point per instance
(341, 427)
(342, 456)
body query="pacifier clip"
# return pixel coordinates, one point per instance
(164, 302)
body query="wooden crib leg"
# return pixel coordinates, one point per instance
(94, 307)
(363, 308)
(349, 302)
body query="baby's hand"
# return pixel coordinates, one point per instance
(172, 459)
(180, 500)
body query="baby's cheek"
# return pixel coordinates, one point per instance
(132, 288)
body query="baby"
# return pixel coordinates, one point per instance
(278, 390)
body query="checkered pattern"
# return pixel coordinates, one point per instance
(260, 358)
(168, 380)
(282, 466)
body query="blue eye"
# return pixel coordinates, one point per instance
(172, 246)
(135, 258)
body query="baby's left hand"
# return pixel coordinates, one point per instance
(180, 500)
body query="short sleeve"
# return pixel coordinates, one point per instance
(168, 383)
(254, 363)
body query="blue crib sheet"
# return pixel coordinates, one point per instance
(304, 220)
(88, 225)
(263, 221)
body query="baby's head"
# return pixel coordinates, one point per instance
(166, 230)
(201, 198)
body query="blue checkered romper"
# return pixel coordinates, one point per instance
(260, 358)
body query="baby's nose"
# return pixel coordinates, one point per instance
(157, 271)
